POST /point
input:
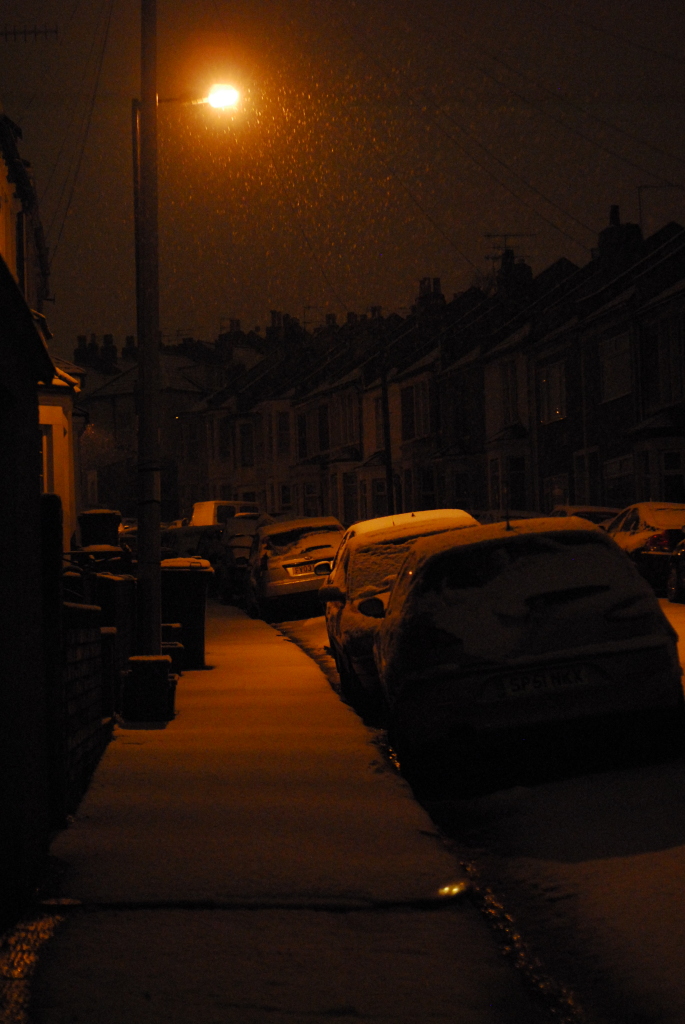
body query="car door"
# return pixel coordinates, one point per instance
(334, 609)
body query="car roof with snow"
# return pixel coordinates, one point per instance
(425, 547)
(666, 515)
(400, 518)
(410, 529)
(315, 522)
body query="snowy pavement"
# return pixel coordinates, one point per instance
(591, 869)
(257, 861)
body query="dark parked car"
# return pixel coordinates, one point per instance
(648, 532)
(496, 639)
(599, 514)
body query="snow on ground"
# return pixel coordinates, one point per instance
(312, 637)
(591, 868)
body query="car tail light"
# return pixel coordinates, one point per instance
(659, 542)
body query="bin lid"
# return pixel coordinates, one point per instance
(194, 564)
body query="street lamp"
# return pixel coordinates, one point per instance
(149, 613)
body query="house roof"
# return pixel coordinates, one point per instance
(176, 375)
(18, 328)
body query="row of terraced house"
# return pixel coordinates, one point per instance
(563, 388)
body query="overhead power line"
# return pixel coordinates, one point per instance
(87, 131)
(510, 170)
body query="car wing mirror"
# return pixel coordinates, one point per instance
(373, 607)
(331, 594)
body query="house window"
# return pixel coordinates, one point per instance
(324, 433)
(674, 483)
(302, 436)
(586, 477)
(615, 368)
(555, 490)
(349, 482)
(47, 484)
(246, 444)
(516, 482)
(283, 434)
(619, 481)
(494, 484)
(286, 496)
(552, 392)
(334, 495)
(192, 440)
(510, 411)
(379, 501)
(408, 413)
(312, 503)
(408, 493)
(269, 437)
(347, 418)
(378, 422)
(225, 438)
(363, 504)
(427, 478)
(662, 363)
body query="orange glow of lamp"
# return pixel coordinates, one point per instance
(223, 97)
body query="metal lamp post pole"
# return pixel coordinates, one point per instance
(149, 487)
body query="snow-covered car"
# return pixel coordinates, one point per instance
(496, 639)
(288, 559)
(599, 514)
(648, 532)
(357, 590)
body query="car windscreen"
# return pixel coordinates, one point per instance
(665, 518)
(280, 542)
(371, 564)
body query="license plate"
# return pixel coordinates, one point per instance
(300, 570)
(563, 678)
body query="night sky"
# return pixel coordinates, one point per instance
(378, 142)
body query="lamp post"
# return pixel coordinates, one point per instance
(145, 209)
(147, 301)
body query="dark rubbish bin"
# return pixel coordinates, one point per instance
(149, 689)
(184, 598)
(99, 526)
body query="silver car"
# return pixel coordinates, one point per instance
(290, 559)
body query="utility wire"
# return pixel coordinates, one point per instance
(44, 69)
(429, 100)
(74, 111)
(423, 210)
(584, 23)
(569, 128)
(560, 97)
(315, 256)
(583, 110)
(87, 131)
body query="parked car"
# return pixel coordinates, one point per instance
(357, 590)
(213, 513)
(290, 558)
(675, 584)
(496, 639)
(598, 514)
(648, 532)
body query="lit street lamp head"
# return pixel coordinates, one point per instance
(222, 97)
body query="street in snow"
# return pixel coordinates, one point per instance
(590, 867)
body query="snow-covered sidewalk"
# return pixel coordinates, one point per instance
(257, 861)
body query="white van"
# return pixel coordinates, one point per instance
(213, 513)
